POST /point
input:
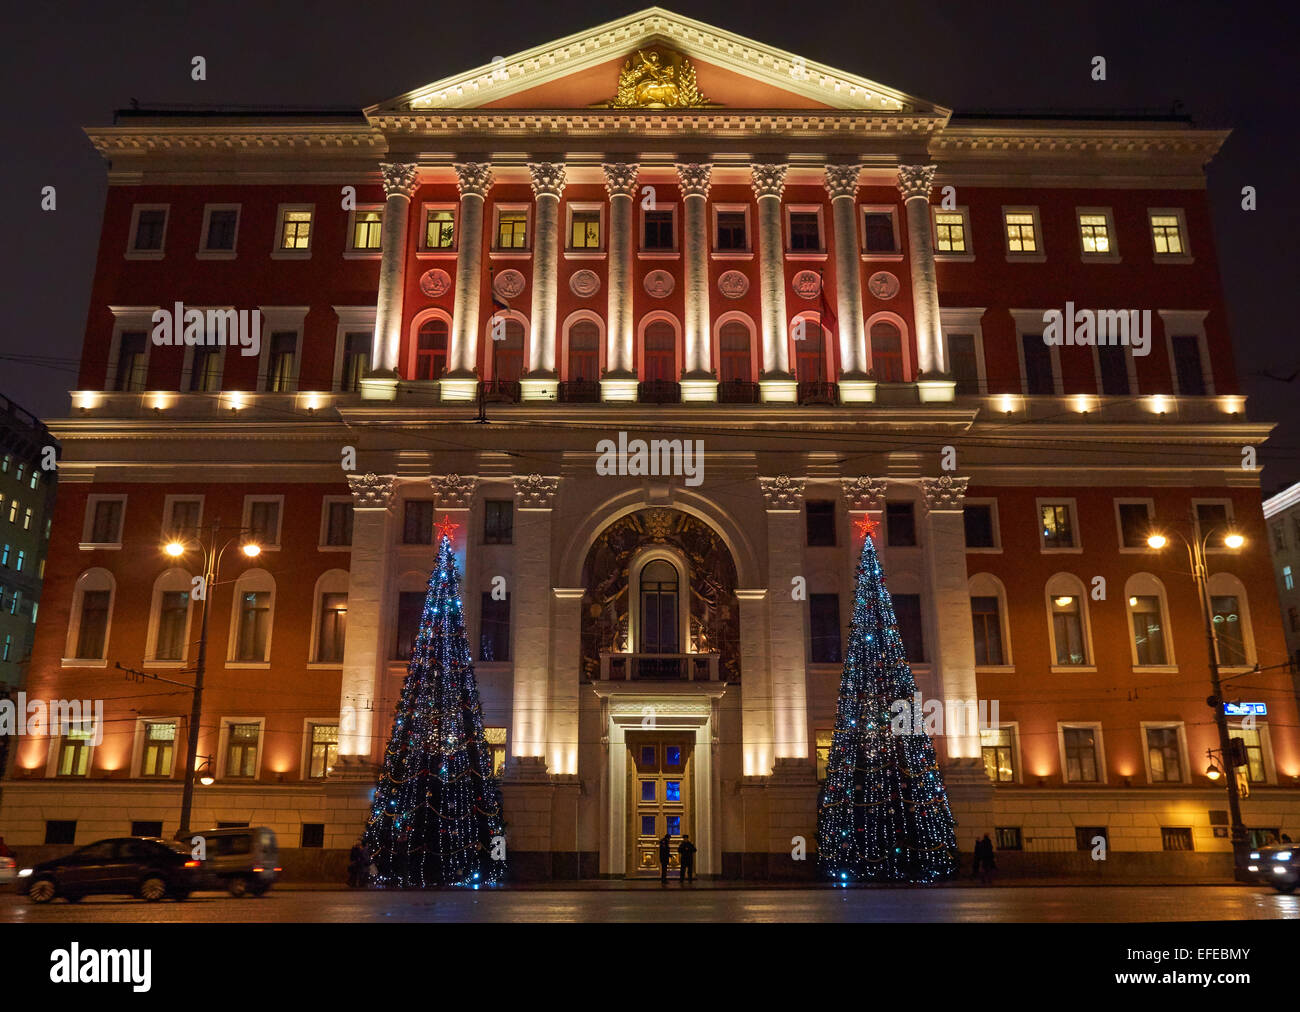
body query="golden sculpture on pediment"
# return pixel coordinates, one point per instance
(657, 78)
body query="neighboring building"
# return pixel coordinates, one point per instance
(1282, 512)
(625, 235)
(26, 508)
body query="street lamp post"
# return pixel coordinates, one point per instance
(212, 555)
(1196, 549)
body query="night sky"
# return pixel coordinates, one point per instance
(71, 65)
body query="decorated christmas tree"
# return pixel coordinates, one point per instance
(436, 816)
(883, 812)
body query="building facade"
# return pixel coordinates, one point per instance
(1282, 511)
(652, 314)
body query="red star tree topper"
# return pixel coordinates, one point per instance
(866, 525)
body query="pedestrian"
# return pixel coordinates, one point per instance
(686, 855)
(356, 865)
(5, 851)
(665, 855)
(987, 865)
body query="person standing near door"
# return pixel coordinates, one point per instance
(686, 854)
(665, 855)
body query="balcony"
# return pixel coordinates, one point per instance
(738, 392)
(818, 392)
(659, 667)
(579, 392)
(499, 391)
(659, 392)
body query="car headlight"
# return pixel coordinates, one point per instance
(24, 873)
(1282, 855)
(1280, 869)
(1254, 855)
(1252, 867)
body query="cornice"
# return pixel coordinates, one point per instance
(192, 138)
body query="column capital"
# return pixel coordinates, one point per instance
(620, 178)
(535, 491)
(453, 491)
(400, 178)
(695, 178)
(547, 178)
(473, 178)
(944, 494)
(916, 181)
(864, 493)
(842, 180)
(372, 491)
(768, 180)
(783, 493)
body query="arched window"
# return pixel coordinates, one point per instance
(1067, 610)
(92, 615)
(1231, 616)
(329, 622)
(431, 349)
(584, 351)
(887, 352)
(507, 353)
(810, 351)
(659, 609)
(169, 617)
(733, 352)
(1150, 642)
(251, 616)
(988, 606)
(659, 344)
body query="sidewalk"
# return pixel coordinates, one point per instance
(651, 885)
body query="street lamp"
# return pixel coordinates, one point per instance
(211, 554)
(1196, 549)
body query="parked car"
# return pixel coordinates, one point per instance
(8, 870)
(242, 861)
(1277, 865)
(134, 865)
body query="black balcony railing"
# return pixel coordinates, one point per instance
(579, 392)
(738, 392)
(818, 392)
(500, 391)
(659, 392)
(659, 667)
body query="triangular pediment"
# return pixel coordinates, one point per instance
(656, 59)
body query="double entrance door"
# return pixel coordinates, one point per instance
(659, 790)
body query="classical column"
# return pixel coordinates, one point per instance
(787, 615)
(400, 182)
(540, 384)
(699, 383)
(755, 705)
(473, 179)
(943, 536)
(915, 183)
(566, 659)
(842, 185)
(776, 382)
(368, 589)
(619, 381)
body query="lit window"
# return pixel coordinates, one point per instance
(1167, 234)
(159, 748)
(1288, 578)
(1094, 232)
(295, 230)
(824, 741)
(241, 750)
(584, 230)
(949, 232)
(512, 229)
(1164, 755)
(324, 750)
(999, 756)
(366, 229)
(1021, 237)
(1254, 768)
(496, 741)
(1067, 631)
(74, 752)
(1057, 524)
(439, 228)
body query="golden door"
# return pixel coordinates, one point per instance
(659, 798)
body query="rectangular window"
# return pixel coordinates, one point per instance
(417, 522)
(1080, 755)
(338, 524)
(183, 520)
(1187, 364)
(1057, 525)
(584, 230)
(1254, 768)
(173, 611)
(205, 370)
(1113, 360)
(820, 520)
(1228, 633)
(295, 230)
(410, 608)
(1088, 837)
(150, 228)
(496, 742)
(805, 232)
(978, 521)
(1164, 755)
(494, 628)
(254, 626)
(1212, 518)
(106, 526)
(963, 363)
(1176, 837)
(900, 524)
(130, 362)
(74, 751)
(148, 827)
(280, 361)
(658, 231)
(1134, 524)
(988, 630)
(949, 232)
(1094, 233)
(324, 750)
(27, 519)
(1021, 235)
(731, 232)
(61, 831)
(356, 361)
(878, 232)
(333, 627)
(92, 631)
(1148, 630)
(1039, 378)
(367, 229)
(221, 227)
(1167, 234)
(263, 525)
(824, 739)
(439, 229)
(907, 609)
(999, 757)
(498, 522)
(1067, 630)
(1008, 838)
(159, 748)
(824, 628)
(241, 750)
(313, 834)
(512, 229)
(1279, 537)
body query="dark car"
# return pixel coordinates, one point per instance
(1277, 865)
(135, 865)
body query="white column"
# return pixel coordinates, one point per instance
(530, 618)
(788, 617)
(400, 183)
(364, 653)
(619, 381)
(566, 654)
(757, 753)
(461, 383)
(915, 183)
(943, 536)
(699, 383)
(776, 382)
(842, 185)
(540, 384)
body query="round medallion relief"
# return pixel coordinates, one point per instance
(883, 285)
(659, 284)
(733, 284)
(435, 283)
(807, 284)
(508, 284)
(584, 283)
